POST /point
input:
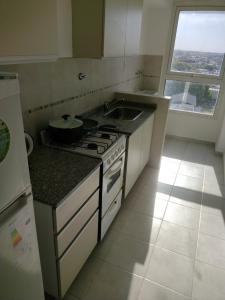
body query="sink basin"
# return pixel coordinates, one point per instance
(124, 113)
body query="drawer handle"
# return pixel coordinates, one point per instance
(113, 205)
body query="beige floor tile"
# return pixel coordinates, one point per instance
(208, 283)
(175, 148)
(153, 291)
(186, 197)
(99, 280)
(163, 191)
(169, 164)
(151, 206)
(190, 183)
(149, 177)
(213, 176)
(214, 189)
(139, 226)
(211, 250)
(216, 161)
(213, 205)
(212, 225)
(125, 252)
(178, 239)
(167, 177)
(191, 169)
(182, 215)
(171, 270)
(196, 153)
(152, 190)
(169, 265)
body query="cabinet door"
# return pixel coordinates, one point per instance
(133, 27)
(146, 141)
(138, 152)
(115, 27)
(88, 26)
(28, 28)
(133, 159)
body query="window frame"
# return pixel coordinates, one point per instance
(167, 74)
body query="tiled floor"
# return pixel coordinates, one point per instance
(168, 241)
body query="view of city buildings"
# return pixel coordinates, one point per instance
(189, 96)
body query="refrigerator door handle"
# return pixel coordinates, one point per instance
(19, 202)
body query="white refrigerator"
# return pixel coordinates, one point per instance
(20, 270)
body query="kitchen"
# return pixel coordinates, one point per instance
(100, 175)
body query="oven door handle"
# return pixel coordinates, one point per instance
(118, 165)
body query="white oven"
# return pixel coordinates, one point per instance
(111, 187)
(112, 183)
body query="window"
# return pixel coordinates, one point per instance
(196, 61)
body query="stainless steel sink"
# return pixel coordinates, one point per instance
(124, 113)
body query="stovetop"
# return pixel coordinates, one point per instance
(95, 144)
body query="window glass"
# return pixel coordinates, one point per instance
(199, 43)
(193, 97)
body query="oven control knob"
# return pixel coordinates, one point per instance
(108, 161)
(113, 157)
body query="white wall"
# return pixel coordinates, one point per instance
(220, 144)
(155, 25)
(194, 127)
(154, 41)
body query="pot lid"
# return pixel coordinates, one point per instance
(66, 122)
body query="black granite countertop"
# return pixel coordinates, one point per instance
(123, 126)
(55, 173)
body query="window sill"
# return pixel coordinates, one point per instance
(194, 114)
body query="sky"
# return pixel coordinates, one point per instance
(201, 31)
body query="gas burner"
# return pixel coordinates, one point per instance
(92, 146)
(100, 144)
(105, 136)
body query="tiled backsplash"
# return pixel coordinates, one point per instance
(51, 89)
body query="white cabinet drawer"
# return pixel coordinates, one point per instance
(73, 260)
(77, 223)
(70, 206)
(110, 214)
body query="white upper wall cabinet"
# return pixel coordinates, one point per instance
(64, 21)
(133, 26)
(41, 30)
(106, 28)
(28, 29)
(115, 27)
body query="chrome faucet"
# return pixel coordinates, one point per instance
(108, 105)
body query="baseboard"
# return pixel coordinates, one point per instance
(186, 139)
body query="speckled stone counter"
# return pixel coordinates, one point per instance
(123, 126)
(55, 173)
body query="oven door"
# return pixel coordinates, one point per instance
(112, 183)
